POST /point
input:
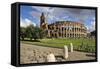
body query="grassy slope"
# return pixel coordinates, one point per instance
(61, 42)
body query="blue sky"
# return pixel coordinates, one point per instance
(31, 15)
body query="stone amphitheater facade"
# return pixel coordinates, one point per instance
(62, 29)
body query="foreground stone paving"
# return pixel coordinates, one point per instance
(38, 54)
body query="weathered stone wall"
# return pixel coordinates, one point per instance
(67, 29)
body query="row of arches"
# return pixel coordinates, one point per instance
(67, 35)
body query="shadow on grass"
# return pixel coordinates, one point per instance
(90, 55)
(83, 51)
(31, 40)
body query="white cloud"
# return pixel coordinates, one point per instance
(42, 9)
(57, 14)
(26, 22)
(80, 14)
(35, 14)
(91, 26)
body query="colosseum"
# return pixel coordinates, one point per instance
(62, 29)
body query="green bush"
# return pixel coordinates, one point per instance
(85, 48)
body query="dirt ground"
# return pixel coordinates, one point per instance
(37, 54)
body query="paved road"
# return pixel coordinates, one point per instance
(37, 54)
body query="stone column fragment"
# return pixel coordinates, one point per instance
(71, 47)
(65, 52)
(51, 58)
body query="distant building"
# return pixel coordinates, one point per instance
(62, 29)
(91, 34)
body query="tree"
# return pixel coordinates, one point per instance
(34, 32)
(29, 31)
(22, 33)
(42, 33)
(37, 33)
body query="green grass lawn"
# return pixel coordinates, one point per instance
(81, 44)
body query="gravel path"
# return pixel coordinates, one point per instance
(37, 54)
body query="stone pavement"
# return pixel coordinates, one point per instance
(38, 54)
